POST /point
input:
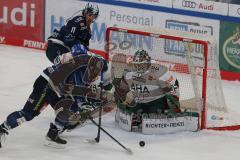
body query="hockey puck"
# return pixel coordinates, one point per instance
(142, 143)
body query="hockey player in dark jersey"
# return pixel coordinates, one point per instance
(80, 102)
(76, 30)
(44, 93)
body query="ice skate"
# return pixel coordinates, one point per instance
(3, 132)
(53, 139)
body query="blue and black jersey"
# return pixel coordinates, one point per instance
(75, 31)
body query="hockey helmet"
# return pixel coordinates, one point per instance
(91, 8)
(141, 61)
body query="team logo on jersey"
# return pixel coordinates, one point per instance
(139, 88)
(140, 91)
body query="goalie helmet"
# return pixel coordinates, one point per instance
(141, 61)
(91, 8)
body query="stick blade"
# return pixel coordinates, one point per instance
(97, 139)
(91, 141)
(129, 151)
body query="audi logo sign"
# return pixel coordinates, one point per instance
(189, 4)
(238, 11)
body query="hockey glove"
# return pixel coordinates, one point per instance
(64, 58)
(78, 49)
(129, 101)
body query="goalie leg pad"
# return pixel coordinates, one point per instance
(158, 123)
(183, 122)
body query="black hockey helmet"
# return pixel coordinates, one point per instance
(91, 8)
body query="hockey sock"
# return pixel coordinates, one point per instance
(14, 119)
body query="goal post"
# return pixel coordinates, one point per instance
(192, 59)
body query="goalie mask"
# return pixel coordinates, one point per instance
(141, 61)
(91, 8)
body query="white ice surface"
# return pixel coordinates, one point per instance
(19, 67)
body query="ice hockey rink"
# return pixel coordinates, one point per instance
(19, 67)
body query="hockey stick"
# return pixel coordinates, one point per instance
(127, 149)
(97, 139)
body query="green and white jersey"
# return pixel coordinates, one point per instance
(149, 86)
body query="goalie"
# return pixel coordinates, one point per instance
(143, 87)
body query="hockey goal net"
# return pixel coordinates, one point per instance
(193, 61)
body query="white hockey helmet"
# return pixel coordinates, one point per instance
(91, 8)
(141, 61)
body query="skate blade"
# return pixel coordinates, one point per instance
(52, 144)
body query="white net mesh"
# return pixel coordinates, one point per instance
(185, 59)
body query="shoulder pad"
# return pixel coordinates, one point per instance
(78, 19)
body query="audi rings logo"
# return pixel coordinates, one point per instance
(189, 4)
(238, 11)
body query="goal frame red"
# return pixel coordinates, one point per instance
(205, 44)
